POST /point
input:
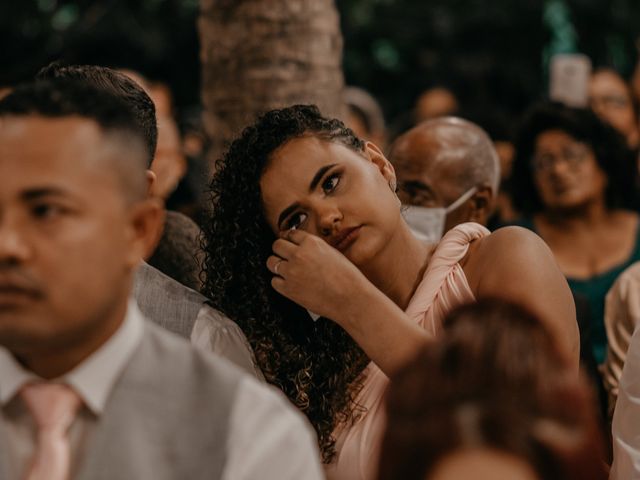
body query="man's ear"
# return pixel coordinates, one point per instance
(151, 179)
(146, 227)
(482, 203)
(376, 156)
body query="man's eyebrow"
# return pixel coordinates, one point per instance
(285, 213)
(416, 185)
(318, 176)
(36, 193)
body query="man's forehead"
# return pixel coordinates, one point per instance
(37, 133)
(39, 147)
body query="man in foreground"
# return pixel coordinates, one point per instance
(90, 390)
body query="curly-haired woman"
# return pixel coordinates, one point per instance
(306, 218)
(575, 182)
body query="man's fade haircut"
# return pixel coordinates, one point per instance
(117, 84)
(63, 98)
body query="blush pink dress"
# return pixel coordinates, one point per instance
(443, 287)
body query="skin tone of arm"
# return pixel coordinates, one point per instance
(305, 265)
(515, 264)
(512, 264)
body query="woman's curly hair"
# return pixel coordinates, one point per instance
(316, 364)
(610, 150)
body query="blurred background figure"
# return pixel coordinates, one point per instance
(625, 431)
(435, 102)
(621, 317)
(575, 183)
(169, 163)
(179, 164)
(611, 98)
(365, 116)
(178, 254)
(493, 398)
(499, 126)
(448, 173)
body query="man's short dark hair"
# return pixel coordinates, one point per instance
(117, 84)
(63, 98)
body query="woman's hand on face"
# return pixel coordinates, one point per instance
(313, 274)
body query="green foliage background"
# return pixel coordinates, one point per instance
(492, 52)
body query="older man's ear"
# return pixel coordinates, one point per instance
(483, 205)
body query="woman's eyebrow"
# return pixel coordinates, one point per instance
(318, 176)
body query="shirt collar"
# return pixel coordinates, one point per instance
(94, 378)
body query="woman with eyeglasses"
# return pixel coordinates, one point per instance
(611, 98)
(575, 182)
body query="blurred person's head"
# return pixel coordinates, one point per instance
(450, 163)
(494, 394)
(499, 126)
(567, 160)
(435, 102)
(611, 98)
(635, 77)
(75, 219)
(169, 164)
(179, 254)
(117, 84)
(364, 116)
(194, 138)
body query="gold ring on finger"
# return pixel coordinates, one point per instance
(275, 267)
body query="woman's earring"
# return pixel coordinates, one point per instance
(392, 185)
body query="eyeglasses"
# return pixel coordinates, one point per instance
(609, 101)
(573, 156)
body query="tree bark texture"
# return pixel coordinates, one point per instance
(258, 55)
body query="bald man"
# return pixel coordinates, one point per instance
(448, 166)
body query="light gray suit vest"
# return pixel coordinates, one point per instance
(167, 417)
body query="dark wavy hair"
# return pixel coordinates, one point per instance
(316, 364)
(497, 380)
(609, 147)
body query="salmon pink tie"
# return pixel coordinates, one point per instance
(53, 407)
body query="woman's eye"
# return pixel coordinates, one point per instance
(331, 182)
(295, 221)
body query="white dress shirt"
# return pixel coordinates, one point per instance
(226, 341)
(268, 438)
(92, 380)
(626, 417)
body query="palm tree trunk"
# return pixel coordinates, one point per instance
(262, 54)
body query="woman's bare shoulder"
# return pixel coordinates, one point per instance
(507, 244)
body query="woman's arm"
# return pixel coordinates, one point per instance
(514, 264)
(315, 275)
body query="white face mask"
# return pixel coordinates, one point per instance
(428, 223)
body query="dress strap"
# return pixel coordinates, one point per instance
(442, 264)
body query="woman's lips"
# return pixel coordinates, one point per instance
(346, 238)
